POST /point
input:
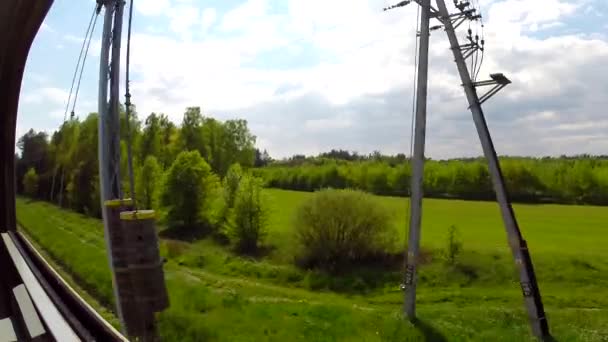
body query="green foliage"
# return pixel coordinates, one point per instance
(453, 246)
(220, 143)
(67, 165)
(189, 190)
(30, 182)
(580, 179)
(79, 173)
(231, 184)
(149, 183)
(340, 227)
(249, 220)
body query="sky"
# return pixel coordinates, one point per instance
(313, 75)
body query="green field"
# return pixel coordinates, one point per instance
(216, 295)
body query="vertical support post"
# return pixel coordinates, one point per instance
(518, 245)
(114, 116)
(109, 126)
(418, 164)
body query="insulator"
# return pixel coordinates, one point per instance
(483, 42)
(477, 37)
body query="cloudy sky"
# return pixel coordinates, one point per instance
(311, 75)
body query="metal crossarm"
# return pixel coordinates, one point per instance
(498, 80)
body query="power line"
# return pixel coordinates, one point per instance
(483, 42)
(84, 60)
(82, 49)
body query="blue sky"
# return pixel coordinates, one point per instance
(311, 75)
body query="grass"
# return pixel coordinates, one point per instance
(216, 295)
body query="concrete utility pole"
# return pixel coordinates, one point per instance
(518, 245)
(109, 123)
(418, 162)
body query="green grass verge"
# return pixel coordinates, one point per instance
(218, 296)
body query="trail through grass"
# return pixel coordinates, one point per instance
(216, 295)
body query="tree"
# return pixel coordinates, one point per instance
(169, 135)
(239, 143)
(261, 159)
(148, 182)
(231, 183)
(81, 176)
(249, 220)
(151, 140)
(63, 144)
(215, 146)
(30, 182)
(189, 190)
(35, 153)
(190, 133)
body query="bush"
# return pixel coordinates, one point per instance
(453, 245)
(30, 182)
(336, 228)
(249, 219)
(189, 191)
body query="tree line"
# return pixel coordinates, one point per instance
(581, 179)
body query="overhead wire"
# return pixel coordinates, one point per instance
(475, 57)
(82, 49)
(128, 107)
(483, 41)
(84, 60)
(470, 39)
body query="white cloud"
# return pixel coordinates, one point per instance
(245, 16)
(152, 7)
(182, 19)
(330, 124)
(315, 75)
(208, 18)
(526, 13)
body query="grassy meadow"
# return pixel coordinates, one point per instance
(216, 295)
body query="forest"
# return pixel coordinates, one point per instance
(63, 167)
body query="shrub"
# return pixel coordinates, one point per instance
(339, 227)
(30, 182)
(189, 191)
(249, 219)
(453, 245)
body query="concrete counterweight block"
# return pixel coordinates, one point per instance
(117, 241)
(143, 257)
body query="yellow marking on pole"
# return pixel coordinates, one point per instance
(118, 202)
(137, 215)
